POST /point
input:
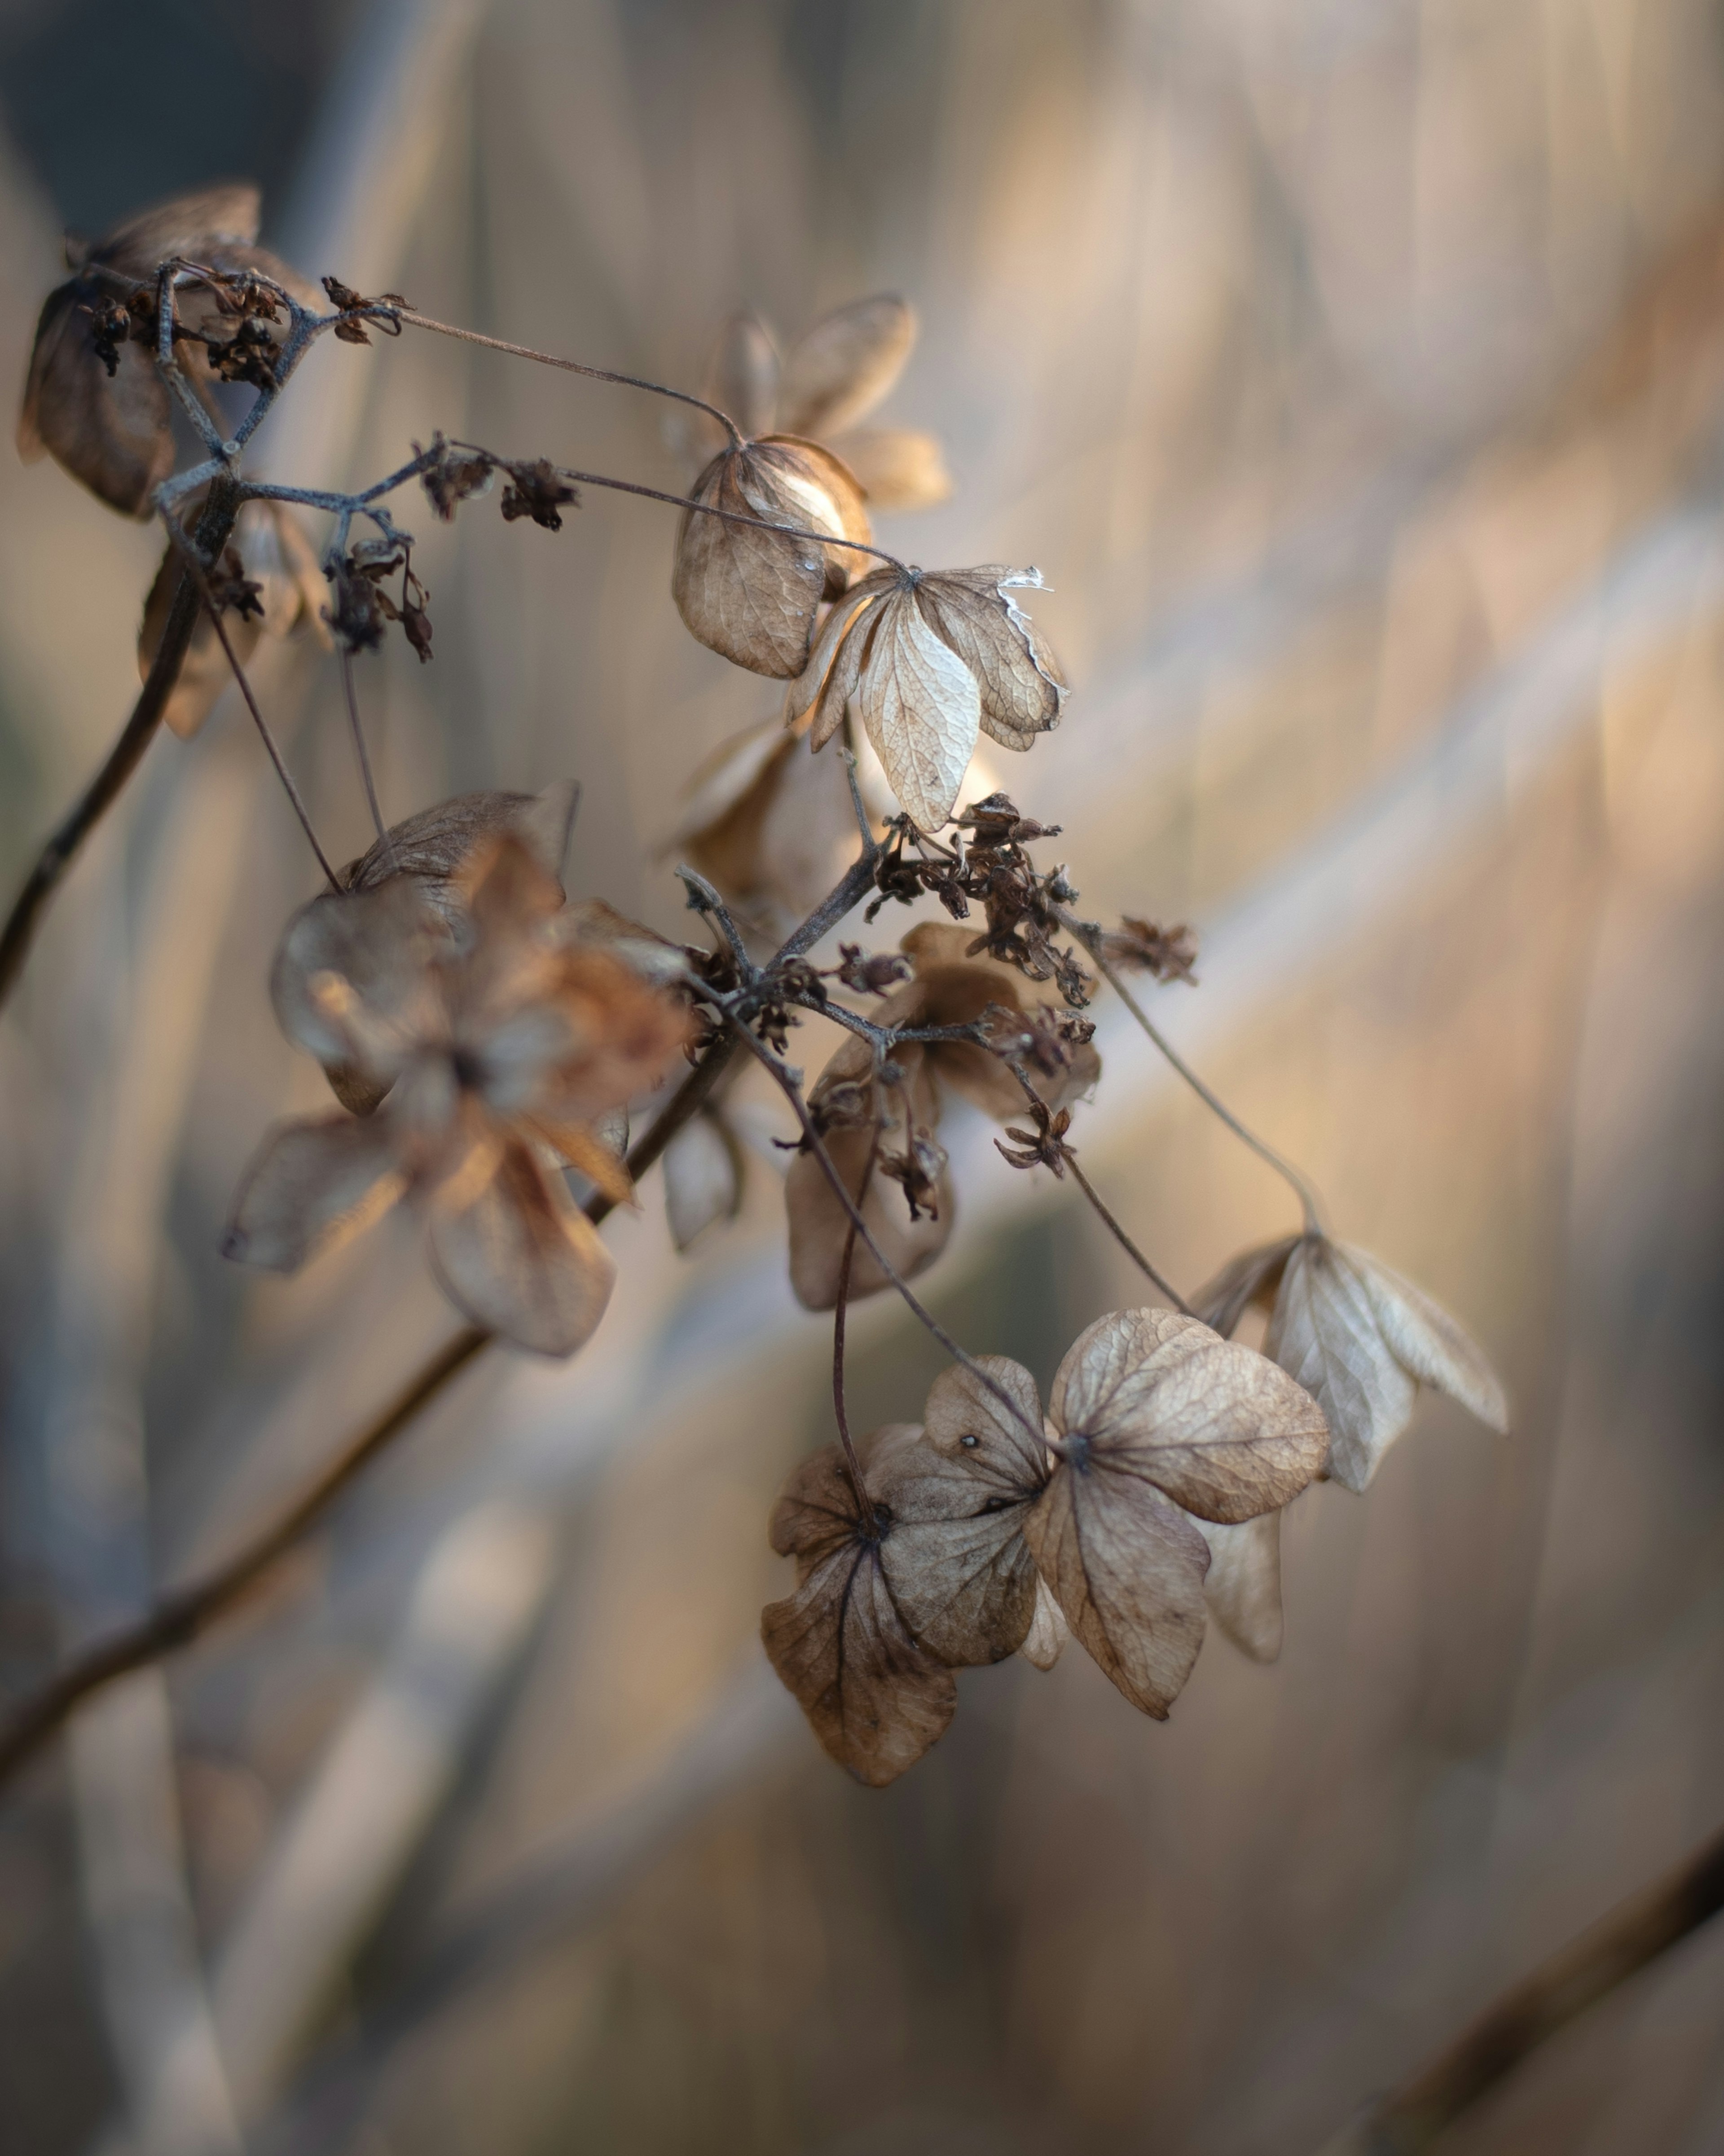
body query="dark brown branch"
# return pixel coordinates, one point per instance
(214, 529)
(181, 1615)
(864, 1503)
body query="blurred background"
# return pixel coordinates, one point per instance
(1354, 371)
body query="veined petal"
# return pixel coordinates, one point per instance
(519, 1258)
(312, 1186)
(922, 709)
(837, 371)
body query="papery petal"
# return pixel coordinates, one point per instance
(703, 1184)
(895, 467)
(1243, 1587)
(743, 379)
(312, 1186)
(380, 944)
(518, 1258)
(922, 708)
(972, 611)
(837, 371)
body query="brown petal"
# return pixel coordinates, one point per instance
(1128, 1569)
(922, 705)
(895, 467)
(876, 1699)
(841, 368)
(817, 698)
(1215, 1425)
(519, 1259)
(583, 1148)
(958, 988)
(703, 1179)
(1251, 1278)
(1044, 1642)
(379, 942)
(114, 435)
(744, 593)
(964, 1421)
(1362, 1341)
(312, 1186)
(743, 378)
(972, 611)
(185, 225)
(1242, 1587)
(433, 845)
(204, 671)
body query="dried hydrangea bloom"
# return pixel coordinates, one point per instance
(273, 555)
(112, 430)
(495, 1051)
(833, 377)
(932, 1575)
(932, 658)
(752, 595)
(948, 987)
(1362, 1341)
(1161, 1419)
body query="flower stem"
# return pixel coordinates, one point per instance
(1123, 1239)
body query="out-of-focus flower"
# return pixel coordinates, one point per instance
(272, 553)
(832, 378)
(907, 1201)
(932, 658)
(93, 400)
(494, 1049)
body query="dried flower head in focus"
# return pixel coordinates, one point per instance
(933, 658)
(93, 400)
(496, 1050)
(831, 379)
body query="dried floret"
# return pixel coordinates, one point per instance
(933, 659)
(748, 594)
(93, 400)
(493, 1055)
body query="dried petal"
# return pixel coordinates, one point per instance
(922, 706)
(896, 467)
(1253, 1276)
(1242, 1587)
(817, 698)
(519, 1257)
(956, 988)
(743, 378)
(312, 1186)
(377, 945)
(703, 1179)
(1362, 1341)
(1044, 1642)
(745, 593)
(973, 612)
(432, 846)
(1215, 1425)
(876, 1699)
(837, 371)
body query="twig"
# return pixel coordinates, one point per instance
(181, 1616)
(214, 528)
(854, 1466)
(1576, 1977)
(1123, 1239)
(359, 750)
(1302, 1189)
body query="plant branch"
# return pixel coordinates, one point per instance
(181, 1615)
(1086, 935)
(853, 1465)
(1123, 1239)
(1577, 1976)
(360, 750)
(214, 528)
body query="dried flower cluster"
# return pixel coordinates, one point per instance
(485, 1038)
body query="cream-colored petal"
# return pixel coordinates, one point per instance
(836, 372)
(517, 1257)
(922, 709)
(896, 467)
(312, 1186)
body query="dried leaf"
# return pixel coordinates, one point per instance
(745, 593)
(876, 1698)
(519, 1258)
(897, 468)
(1253, 1276)
(1243, 1587)
(931, 657)
(836, 372)
(1362, 1341)
(1215, 1425)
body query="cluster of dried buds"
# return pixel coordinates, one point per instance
(486, 1040)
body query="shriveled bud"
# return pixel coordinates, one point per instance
(750, 594)
(932, 658)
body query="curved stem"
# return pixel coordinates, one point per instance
(1302, 1190)
(853, 1465)
(730, 515)
(183, 1614)
(571, 367)
(1123, 1239)
(61, 849)
(360, 750)
(1574, 1977)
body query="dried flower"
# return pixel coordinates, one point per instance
(1362, 1341)
(932, 658)
(1170, 954)
(539, 491)
(1160, 1419)
(1242, 1586)
(495, 1053)
(274, 556)
(751, 595)
(93, 400)
(833, 376)
(456, 475)
(949, 988)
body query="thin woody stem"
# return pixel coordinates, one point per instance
(859, 1226)
(62, 846)
(730, 515)
(853, 1465)
(1123, 1239)
(1307, 1195)
(360, 750)
(1577, 1976)
(181, 1615)
(194, 569)
(571, 367)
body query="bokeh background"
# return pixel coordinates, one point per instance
(1354, 371)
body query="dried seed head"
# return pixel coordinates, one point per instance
(537, 490)
(455, 475)
(751, 594)
(1170, 954)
